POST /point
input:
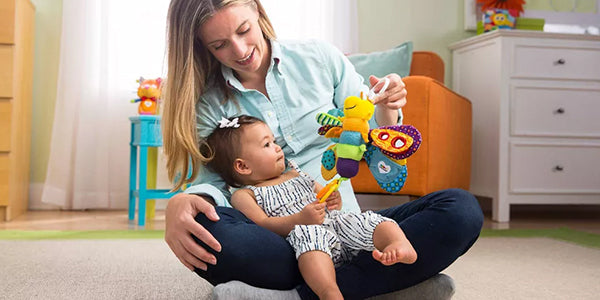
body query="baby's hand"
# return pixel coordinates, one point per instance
(313, 213)
(334, 201)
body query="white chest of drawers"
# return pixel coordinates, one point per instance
(536, 116)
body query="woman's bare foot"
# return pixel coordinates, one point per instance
(396, 252)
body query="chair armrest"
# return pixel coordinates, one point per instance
(427, 63)
(444, 158)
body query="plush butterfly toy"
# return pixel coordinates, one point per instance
(385, 149)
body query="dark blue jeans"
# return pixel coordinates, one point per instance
(441, 227)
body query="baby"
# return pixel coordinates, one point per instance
(283, 200)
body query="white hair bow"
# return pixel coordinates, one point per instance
(224, 123)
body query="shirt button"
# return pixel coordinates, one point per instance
(289, 137)
(270, 113)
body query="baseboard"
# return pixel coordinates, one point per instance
(547, 209)
(35, 200)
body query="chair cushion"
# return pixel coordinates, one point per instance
(380, 63)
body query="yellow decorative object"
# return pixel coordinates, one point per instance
(357, 113)
(151, 181)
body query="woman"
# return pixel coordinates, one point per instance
(224, 61)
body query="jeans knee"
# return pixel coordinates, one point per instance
(472, 209)
(466, 210)
(246, 249)
(227, 216)
(221, 229)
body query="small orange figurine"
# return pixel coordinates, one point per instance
(149, 93)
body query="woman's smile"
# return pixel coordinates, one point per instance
(248, 59)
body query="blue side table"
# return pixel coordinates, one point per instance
(145, 132)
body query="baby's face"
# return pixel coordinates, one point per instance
(260, 152)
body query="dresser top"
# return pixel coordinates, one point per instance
(522, 34)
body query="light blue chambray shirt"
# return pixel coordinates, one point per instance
(303, 79)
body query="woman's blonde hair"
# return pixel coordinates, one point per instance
(191, 71)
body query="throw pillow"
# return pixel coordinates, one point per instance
(380, 63)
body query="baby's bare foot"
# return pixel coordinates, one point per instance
(396, 252)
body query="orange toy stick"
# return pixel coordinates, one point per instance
(329, 188)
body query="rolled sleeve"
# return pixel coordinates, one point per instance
(205, 189)
(212, 185)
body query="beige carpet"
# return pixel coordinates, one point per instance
(527, 268)
(95, 269)
(495, 268)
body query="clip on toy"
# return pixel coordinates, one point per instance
(372, 95)
(385, 149)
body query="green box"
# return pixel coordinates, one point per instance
(530, 24)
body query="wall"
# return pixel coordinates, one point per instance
(580, 6)
(48, 16)
(430, 24)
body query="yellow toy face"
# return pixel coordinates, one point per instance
(355, 107)
(501, 19)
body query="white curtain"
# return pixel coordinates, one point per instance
(334, 21)
(106, 45)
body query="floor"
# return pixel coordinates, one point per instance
(81, 220)
(585, 218)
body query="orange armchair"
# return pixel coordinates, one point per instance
(444, 120)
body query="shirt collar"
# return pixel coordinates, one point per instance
(276, 56)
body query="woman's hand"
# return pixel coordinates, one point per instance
(180, 225)
(394, 97)
(313, 213)
(334, 201)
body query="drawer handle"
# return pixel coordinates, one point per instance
(558, 168)
(560, 61)
(560, 111)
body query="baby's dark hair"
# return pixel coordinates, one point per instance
(223, 147)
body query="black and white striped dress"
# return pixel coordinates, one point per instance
(342, 235)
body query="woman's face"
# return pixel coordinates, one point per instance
(235, 39)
